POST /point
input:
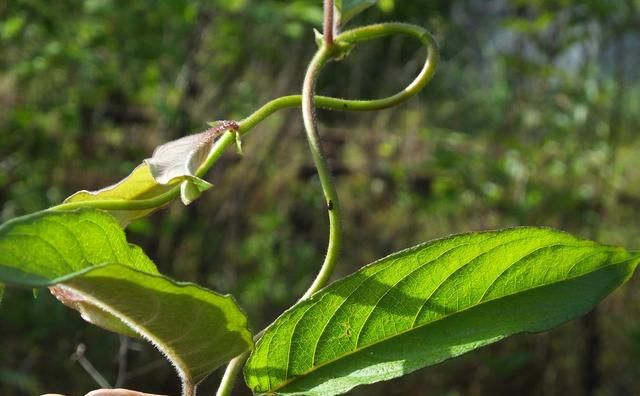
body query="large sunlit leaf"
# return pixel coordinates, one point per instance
(85, 259)
(432, 302)
(36, 249)
(347, 9)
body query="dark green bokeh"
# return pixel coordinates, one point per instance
(531, 119)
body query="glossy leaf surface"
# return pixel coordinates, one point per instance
(38, 249)
(430, 303)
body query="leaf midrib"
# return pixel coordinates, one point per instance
(390, 263)
(385, 339)
(451, 250)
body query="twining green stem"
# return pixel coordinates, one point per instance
(353, 37)
(326, 181)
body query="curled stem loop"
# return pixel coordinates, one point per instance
(354, 37)
(309, 102)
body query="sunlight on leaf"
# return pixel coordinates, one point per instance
(86, 260)
(180, 158)
(176, 162)
(430, 303)
(140, 184)
(40, 248)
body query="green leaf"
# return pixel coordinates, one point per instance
(41, 249)
(172, 163)
(84, 256)
(139, 185)
(347, 9)
(38, 249)
(192, 189)
(430, 303)
(198, 330)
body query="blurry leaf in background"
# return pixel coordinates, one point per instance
(430, 303)
(347, 9)
(20, 380)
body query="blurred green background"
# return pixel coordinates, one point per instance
(532, 119)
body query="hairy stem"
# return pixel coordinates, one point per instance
(188, 389)
(327, 26)
(326, 181)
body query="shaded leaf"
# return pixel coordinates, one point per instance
(430, 303)
(197, 330)
(192, 189)
(347, 9)
(84, 256)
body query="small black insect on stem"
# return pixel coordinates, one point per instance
(330, 205)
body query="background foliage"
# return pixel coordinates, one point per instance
(532, 119)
